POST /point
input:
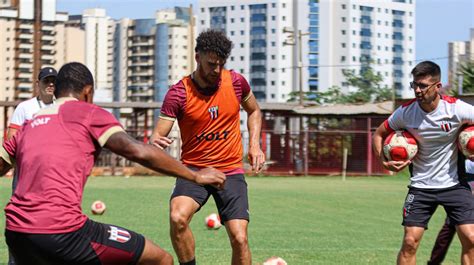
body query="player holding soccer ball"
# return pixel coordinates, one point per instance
(435, 121)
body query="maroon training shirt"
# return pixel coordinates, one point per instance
(55, 153)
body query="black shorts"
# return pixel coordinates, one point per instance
(93, 244)
(420, 204)
(232, 202)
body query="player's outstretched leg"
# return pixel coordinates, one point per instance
(182, 209)
(237, 231)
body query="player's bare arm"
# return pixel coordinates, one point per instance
(156, 159)
(254, 124)
(377, 141)
(11, 131)
(159, 137)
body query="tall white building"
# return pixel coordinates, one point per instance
(335, 35)
(98, 41)
(460, 52)
(354, 32)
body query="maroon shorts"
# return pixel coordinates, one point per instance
(93, 244)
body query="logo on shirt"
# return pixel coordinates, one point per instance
(40, 121)
(119, 235)
(214, 112)
(446, 126)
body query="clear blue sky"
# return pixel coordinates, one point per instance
(437, 21)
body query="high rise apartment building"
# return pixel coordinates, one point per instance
(335, 36)
(460, 52)
(32, 36)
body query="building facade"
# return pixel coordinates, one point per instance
(274, 39)
(460, 52)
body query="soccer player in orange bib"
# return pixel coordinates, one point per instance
(206, 105)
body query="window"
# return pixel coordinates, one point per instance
(202, 10)
(232, 58)
(273, 57)
(283, 18)
(343, 32)
(273, 83)
(273, 5)
(273, 95)
(242, 19)
(273, 18)
(202, 22)
(343, 6)
(273, 70)
(343, 45)
(231, 20)
(241, 32)
(273, 44)
(232, 8)
(242, 7)
(242, 58)
(241, 45)
(232, 33)
(283, 5)
(343, 19)
(283, 83)
(273, 30)
(282, 70)
(343, 59)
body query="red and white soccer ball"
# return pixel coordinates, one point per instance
(98, 207)
(466, 141)
(275, 261)
(213, 221)
(400, 146)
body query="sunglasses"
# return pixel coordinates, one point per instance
(48, 80)
(422, 86)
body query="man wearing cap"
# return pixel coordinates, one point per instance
(26, 109)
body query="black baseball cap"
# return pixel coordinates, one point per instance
(47, 71)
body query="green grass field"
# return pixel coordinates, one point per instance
(305, 220)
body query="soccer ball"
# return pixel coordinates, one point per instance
(466, 141)
(213, 221)
(98, 207)
(400, 146)
(275, 261)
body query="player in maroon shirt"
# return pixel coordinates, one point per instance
(54, 154)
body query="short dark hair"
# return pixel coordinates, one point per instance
(215, 41)
(72, 77)
(426, 68)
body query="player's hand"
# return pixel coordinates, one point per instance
(395, 166)
(161, 142)
(256, 159)
(211, 176)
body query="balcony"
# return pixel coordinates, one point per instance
(25, 55)
(25, 26)
(47, 38)
(27, 46)
(47, 57)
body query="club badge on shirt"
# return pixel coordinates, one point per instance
(446, 126)
(213, 111)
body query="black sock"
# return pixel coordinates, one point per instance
(191, 262)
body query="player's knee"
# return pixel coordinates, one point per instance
(239, 240)
(410, 245)
(167, 259)
(178, 220)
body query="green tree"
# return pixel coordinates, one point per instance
(370, 89)
(467, 73)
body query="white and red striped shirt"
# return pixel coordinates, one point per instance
(435, 165)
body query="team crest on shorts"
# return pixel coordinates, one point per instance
(213, 111)
(119, 235)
